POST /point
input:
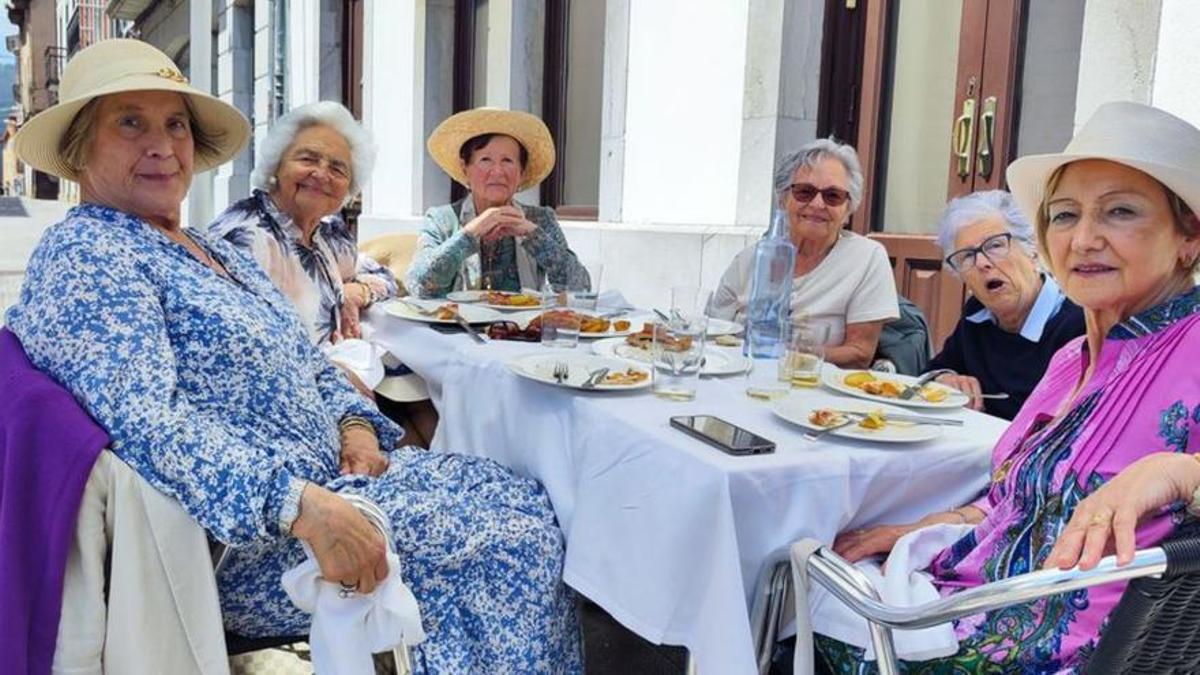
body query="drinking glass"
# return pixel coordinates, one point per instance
(761, 382)
(678, 344)
(804, 354)
(586, 297)
(560, 316)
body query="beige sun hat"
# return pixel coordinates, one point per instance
(530, 131)
(115, 66)
(1139, 136)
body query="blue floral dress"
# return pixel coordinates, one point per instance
(210, 389)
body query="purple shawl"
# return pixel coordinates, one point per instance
(48, 445)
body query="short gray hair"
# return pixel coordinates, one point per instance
(322, 113)
(815, 151)
(967, 209)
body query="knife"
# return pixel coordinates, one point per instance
(458, 318)
(912, 389)
(901, 417)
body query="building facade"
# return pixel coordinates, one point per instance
(669, 115)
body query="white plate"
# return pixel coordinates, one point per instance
(512, 308)
(717, 361)
(796, 410)
(722, 327)
(472, 313)
(540, 367)
(834, 379)
(466, 296)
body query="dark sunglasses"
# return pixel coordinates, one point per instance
(806, 192)
(509, 330)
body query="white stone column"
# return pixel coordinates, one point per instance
(235, 80)
(303, 51)
(393, 109)
(1175, 87)
(1116, 60)
(613, 108)
(200, 198)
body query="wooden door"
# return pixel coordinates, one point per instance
(935, 121)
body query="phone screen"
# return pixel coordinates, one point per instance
(728, 437)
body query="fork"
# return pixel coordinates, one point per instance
(813, 435)
(561, 372)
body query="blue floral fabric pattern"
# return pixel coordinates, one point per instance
(211, 390)
(311, 275)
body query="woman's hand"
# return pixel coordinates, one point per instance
(348, 548)
(1111, 513)
(854, 545)
(498, 222)
(967, 385)
(360, 452)
(351, 326)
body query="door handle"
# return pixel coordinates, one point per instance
(987, 135)
(963, 138)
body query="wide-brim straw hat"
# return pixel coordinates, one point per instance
(113, 67)
(1139, 136)
(530, 131)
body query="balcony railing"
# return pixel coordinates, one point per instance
(56, 58)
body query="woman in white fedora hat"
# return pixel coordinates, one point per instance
(489, 240)
(207, 383)
(314, 160)
(1105, 446)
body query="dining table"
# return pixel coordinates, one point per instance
(666, 533)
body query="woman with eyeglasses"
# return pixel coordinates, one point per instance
(1016, 317)
(842, 279)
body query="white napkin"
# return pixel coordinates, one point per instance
(903, 584)
(347, 631)
(364, 359)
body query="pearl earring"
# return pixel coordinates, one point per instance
(272, 182)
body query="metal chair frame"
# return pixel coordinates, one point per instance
(853, 588)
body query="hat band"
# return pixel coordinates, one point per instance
(165, 73)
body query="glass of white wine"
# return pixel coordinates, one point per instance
(804, 356)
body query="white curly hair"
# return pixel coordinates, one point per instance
(322, 113)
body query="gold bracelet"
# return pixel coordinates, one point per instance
(960, 514)
(355, 421)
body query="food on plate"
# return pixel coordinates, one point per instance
(644, 339)
(728, 340)
(885, 388)
(446, 312)
(858, 379)
(593, 324)
(626, 377)
(621, 325)
(873, 420)
(824, 417)
(511, 299)
(933, 393)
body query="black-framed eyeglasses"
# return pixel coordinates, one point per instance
(994, 248)
(806, 192)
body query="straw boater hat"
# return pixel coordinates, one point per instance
(448, 138)
(112, 67)
(1147, 139)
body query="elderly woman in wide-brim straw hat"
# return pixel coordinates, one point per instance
(490, 240)
(1105, 446)
(199, 369)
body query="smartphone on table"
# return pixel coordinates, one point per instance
(728, 438)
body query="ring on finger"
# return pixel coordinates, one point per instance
(346, 590)
(1102, 518)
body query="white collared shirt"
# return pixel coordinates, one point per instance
(1047, 304)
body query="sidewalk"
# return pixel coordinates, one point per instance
(22, 222)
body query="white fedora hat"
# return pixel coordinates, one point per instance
(116, 66)
(529, 130)
(1139, 136)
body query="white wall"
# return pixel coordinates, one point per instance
(1116, 54)
(1176, 75)
(303, 51)
(683, 118)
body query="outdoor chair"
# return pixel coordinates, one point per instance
(1153, 629)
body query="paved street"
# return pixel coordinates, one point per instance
(22, 222)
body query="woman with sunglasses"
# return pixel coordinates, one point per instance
(1016, 317)
(842, 280)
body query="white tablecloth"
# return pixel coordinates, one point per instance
(663, 531)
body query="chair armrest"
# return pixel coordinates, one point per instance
(852, 587)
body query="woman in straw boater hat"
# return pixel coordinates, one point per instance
(489, 240)
(207, 383)
(1104, 448)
